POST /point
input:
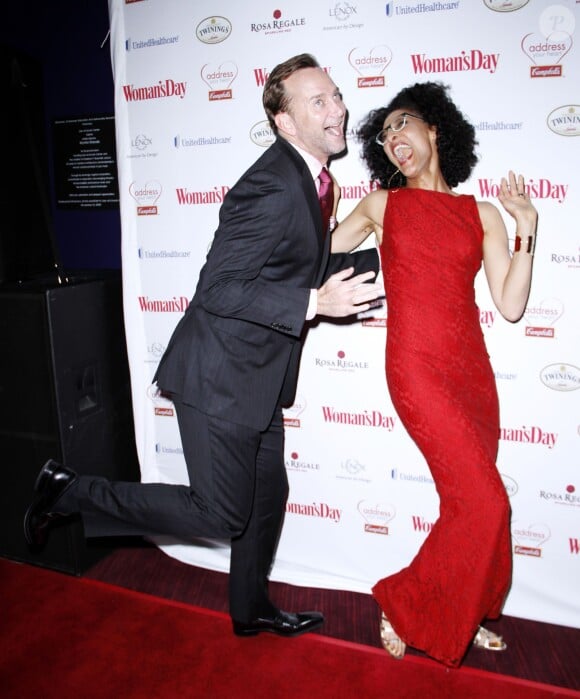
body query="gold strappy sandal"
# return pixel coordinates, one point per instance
(488, 640)
(394, 646)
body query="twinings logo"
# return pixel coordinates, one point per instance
(370, 64)
(292, 414)
(376, 516)
(565, 120)
(510, 485)
(261, 134)
(185, 197)
(561, 377)
(320, 510)
(528, 540)
(367, 418)
(566, 497)
(528, 435)
(213, 30)
(541, 189)
(177, 304)
(340, 363)
(472, 60)
(161, 90)
(219, 79)
(505, 5)
(278, 25)
(295, 463)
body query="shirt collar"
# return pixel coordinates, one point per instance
(312, 163)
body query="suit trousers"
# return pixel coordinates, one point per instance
(238, 490)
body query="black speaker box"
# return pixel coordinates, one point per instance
(64, 394)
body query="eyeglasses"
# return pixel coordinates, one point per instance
(398, 125)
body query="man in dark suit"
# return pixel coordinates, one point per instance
(232, 362)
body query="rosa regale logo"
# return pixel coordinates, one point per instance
(561, 377)
(213, 30)
(565, 120)
(145, 194)
(370, 63)
(505, 5)
(261, 134)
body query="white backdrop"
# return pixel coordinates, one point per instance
(189, 76)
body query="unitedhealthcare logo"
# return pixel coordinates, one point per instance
(131, 45)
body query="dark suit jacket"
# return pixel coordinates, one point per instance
(235, 352)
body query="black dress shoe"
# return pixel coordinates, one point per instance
(52, 482)
(283, 624)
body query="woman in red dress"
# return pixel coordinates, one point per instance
(432, 243)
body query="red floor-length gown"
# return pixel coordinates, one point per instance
(443, 389)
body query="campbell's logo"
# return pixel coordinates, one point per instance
(510, 485)
(278, 24)
(370, 64)
(176, 304)
(340, 362)
(529, 539)
(565, 120)
(146, 195)
(366, 418)
(540, 189)
(472, 60)
(529, 435)
(160, 90)
(187, 197)
(541, 316)
(319, 510)
(292, 413)
(561, 377)
(568, 496)
(295, 463)
(376, 516)
(505, 5)
(213, 30)
(219, 79)
(261, 134)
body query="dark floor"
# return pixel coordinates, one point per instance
(536, 651)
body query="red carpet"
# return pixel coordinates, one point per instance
(65, 637)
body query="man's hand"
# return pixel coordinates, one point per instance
(344, 295)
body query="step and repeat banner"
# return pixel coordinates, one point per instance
(189, 76)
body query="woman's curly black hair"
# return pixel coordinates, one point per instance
(456, 140)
